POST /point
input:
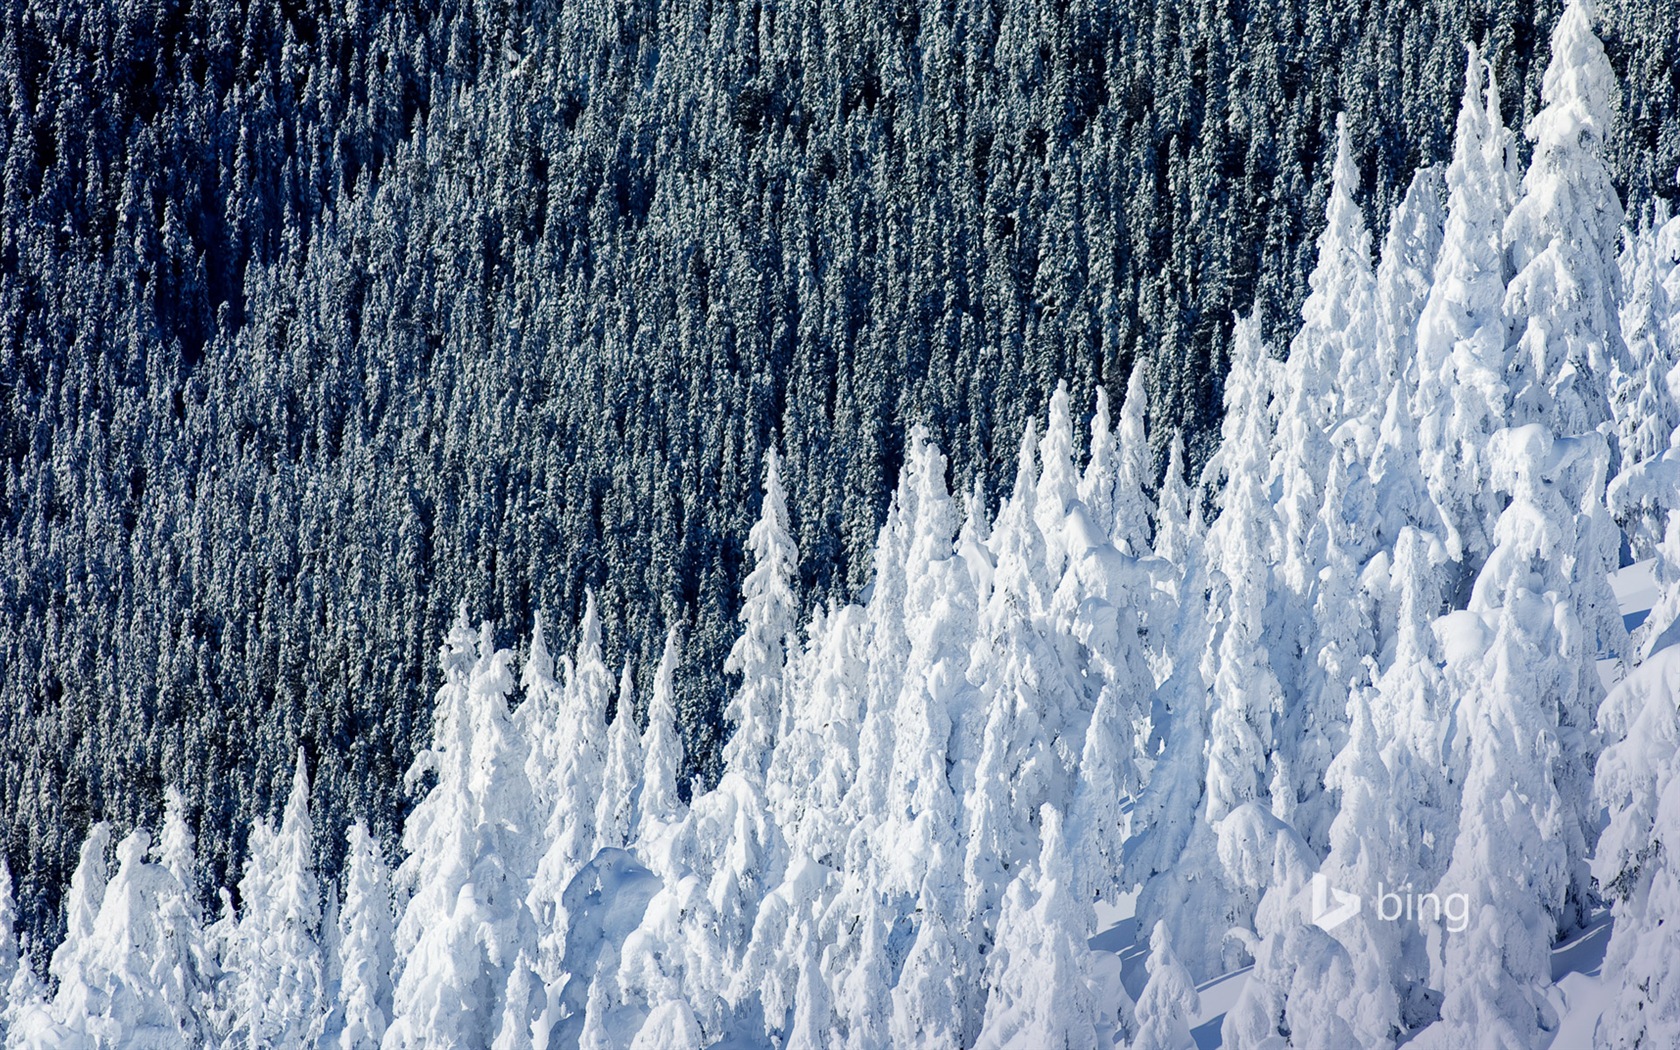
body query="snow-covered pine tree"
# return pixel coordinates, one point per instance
(1042, 990)
(1560, 308)
(131, 990)
(1638, 782)
(580, 748)
(1097, 484)
(1056, 486)
(8, 927)
(1403, 283)
(1021, 677)
(1404, 272)
(1173, 535)
(920, 823)
(1329, 376)
(1133, 509)
(1510, 858)
(278, 958)
(817, 762)
(81, 913)
(768, 611)
(365, 923)
(615, 808)
(462, 921)
(1461, 398)
(1303, 980)
(1645, 410)
(1314, 725)
(657, 801)
(189, 967)
(1555, 540)
(1237, 666)
(1168, 1001)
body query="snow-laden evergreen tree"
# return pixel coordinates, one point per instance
(1174, 842)
(785, 933)
(281, 974)
(180, 918)
(1510, 858)
(1056, 486)
(1168, 1001)
(919, 825)
(8, 927)
(1314, 726)
(579, 746)
(616, 806)
(1461, 397)
(1342, 308)
(81, 913)
(1023, 686)
(463, 918)
(1646, 409)
(1560, 308)
(130, 989)
(768, 611)
(1102, 467)
(1102, 596)
(1372, 852)
(25, 1020)
(1389, 437)
(1403, 280)
(1329, 376)
(1303, 981)
(1133, 509)
(1173, 537)
(1245, 695)
(935, 994)
(1638, 781)
(816, 763)
(365, 923)
(657, 801)
(1555, 540)
(1042, 991)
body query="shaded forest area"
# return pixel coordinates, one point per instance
(320, 319)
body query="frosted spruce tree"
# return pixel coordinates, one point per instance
(768, 611)
(1461, 396)
(463, 895)
(365, 923)
(657, 801)
(615, 808)
(1245, 696)
(1042, 990)
(578, 743)
(1560, 309)
(1168, 1001)
(1330, 375)
(1638, 781)
(134, 986)
(1388, 440)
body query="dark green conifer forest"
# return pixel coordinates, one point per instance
(319, 318)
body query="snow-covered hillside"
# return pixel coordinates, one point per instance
(1363, 737)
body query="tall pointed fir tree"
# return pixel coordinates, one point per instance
(578, 742)
(1461, 397)
(1638, 858)
(768, 612)
(657, 801)
(462, 917)
(615, 808)
(365, 944)
(1560, 308)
